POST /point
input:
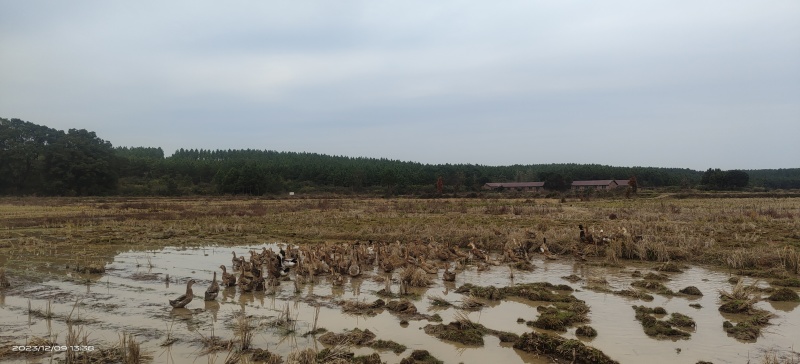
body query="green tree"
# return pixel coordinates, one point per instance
(22, 149)
(736, 179)
(716, 179)
(555, 182)
(80, 163)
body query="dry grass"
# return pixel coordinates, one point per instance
(736, 233)
(307, 356)
(739, 233)
(243, 331)
(75, 337)
(462, 317)
(439, 301)
(3, 279)
(470, 303)
(415, 277)
(778, 357)
(741, 299)
(212, 343)
(790, 259)
(130, 349)
(169, 340)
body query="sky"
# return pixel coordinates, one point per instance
(681, 83)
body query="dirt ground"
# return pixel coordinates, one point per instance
(101, 270)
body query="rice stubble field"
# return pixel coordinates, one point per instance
(661, 280)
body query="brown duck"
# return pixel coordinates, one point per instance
(185, 298)
(213, 289)
(448, 276)
(246, 280)
(228, 279)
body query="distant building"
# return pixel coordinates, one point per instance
(622, 182)
(603, 184)
(517, 186)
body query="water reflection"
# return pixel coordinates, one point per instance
(783, 306)
(355, 286)
(259, 296)
(185, 315)
(620, 335)
(213, 308)
(228, 293)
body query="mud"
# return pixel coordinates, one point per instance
(131, 296)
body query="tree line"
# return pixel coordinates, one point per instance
(39, 160)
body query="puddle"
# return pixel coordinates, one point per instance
(131, 296)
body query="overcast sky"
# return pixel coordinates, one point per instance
(690, 84)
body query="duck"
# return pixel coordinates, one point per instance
(455, 251)
(448, 276)
(585, 237)
(355, 269)
(579, 253)
(546, 251)
(185, 298)
(477, 253)
(246, 280)
(258, 280)
(387, 265)
(422, 264)
(291, 262)
(228, 279)
(288, 262)
(337, 279)
(236, 261)
(213, 289)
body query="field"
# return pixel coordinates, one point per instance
(99, 273)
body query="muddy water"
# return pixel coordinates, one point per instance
(131, 296)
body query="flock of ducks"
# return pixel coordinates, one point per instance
(250, 276)
(339, 260)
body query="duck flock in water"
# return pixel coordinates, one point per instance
(352, 259)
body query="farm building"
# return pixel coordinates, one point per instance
(603, 184)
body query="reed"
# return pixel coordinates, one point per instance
(307, 356)
(3, 279)
(75, 337)
(741, 299)
(169, 340)
(130, 349)
(439, 301)
(462, 317)
(471, 303)
(74, 307)
(316, 318)
(776, 357)
(790, 259)
(243, 330)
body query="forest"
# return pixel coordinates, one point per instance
(38, 160)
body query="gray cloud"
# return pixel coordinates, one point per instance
(675, 84)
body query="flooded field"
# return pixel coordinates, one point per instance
(100, 275)
(131, 297)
